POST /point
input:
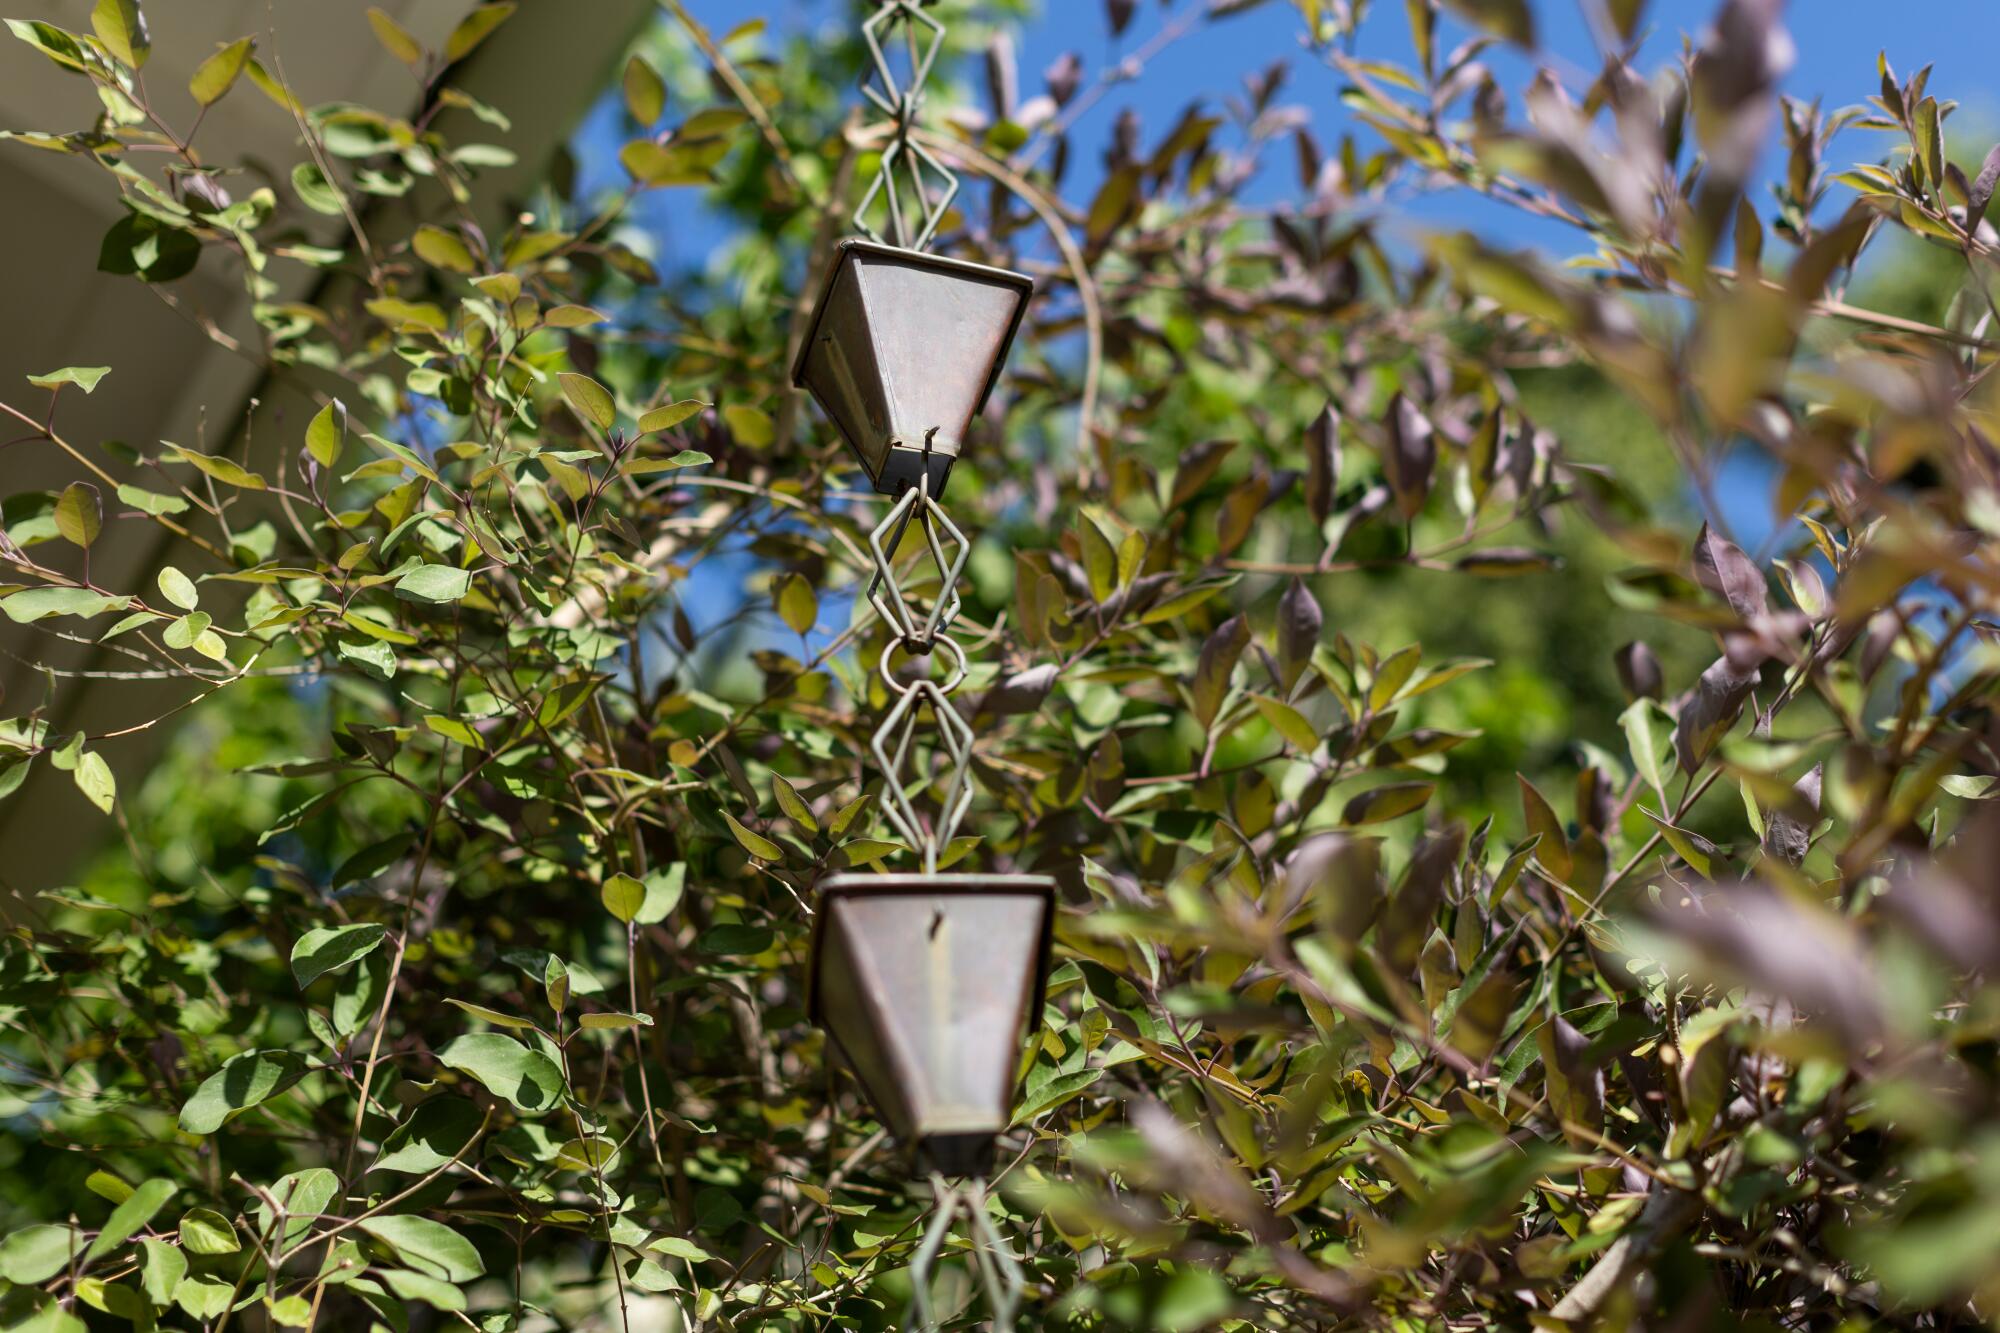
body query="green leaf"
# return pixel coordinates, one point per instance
(1930, 143)
(676, 1248)
(371, 860)
(442, 249)
(645, 93)
(107, 1186)
(573, 317)
(434, 585)
(797, 603)
(655, 164)
(590, 400)
(178, 588)
(1113, 202)
(203, 1297)
(407, 316)
(586, 1154)
(663, 893)
(493, 1016)
(475, 28)
(1649, 738)
(555, 983)
(13, 772)
(1697, 851)
(161, 1270)
(735, 940)
(452, 729)
(184, 632)
(326, 433)
(130, 1216)
(866, 851)
(32, 1255)
(527, 1078)
(205, 1231)
(291, 105)
(80, 514)
(623, 896)
(437, 1132)
(1509, 19)
(614, 1021)
(641, 467)
(756, 844)
(431, 1248)
(434, 1292)
(222, 469)
(374, 657)
(332, 948)
(83, 377)
(293, 1311)
(751, 427)
(1386, 803)
(844, 818)
(1060, 1089)
(218, 74)
(1193, 1298)
(151, 502)
(58, 45)
(395, 38)
(794, 806)
(122, 29)
(301, 1195)
(148, 249)
(248, 1080)
(94, 780)
(315, 190)
(1288, 722)
(673, 414)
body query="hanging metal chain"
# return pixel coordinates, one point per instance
(910, 766)
(906, 165)
(999, 1273)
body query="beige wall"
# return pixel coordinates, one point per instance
(169, 380)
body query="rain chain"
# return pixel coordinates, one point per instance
(928, 983)
(900, 730)
(923, 36)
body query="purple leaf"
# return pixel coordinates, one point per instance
(1064, 77)
(1638, 671)
(1217, 664)
(1411, 457)
(1708, 716)
(1323, 463)
(1721, 567)
(1299, 624)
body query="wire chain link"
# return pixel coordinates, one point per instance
(910, 743)
(906, 165)
(999, 1271)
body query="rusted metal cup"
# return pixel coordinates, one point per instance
(904, 350)
(929, 985)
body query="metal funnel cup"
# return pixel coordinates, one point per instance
(905, 347)
(929, 984)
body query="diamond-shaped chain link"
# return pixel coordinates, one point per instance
(921, 751)
(916, 187)
(999, 1272)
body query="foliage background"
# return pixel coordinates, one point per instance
(1380, 996)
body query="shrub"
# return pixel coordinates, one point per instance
(538, 643)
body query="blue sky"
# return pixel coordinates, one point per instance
(1837, 42)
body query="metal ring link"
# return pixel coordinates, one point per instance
(917, 648)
